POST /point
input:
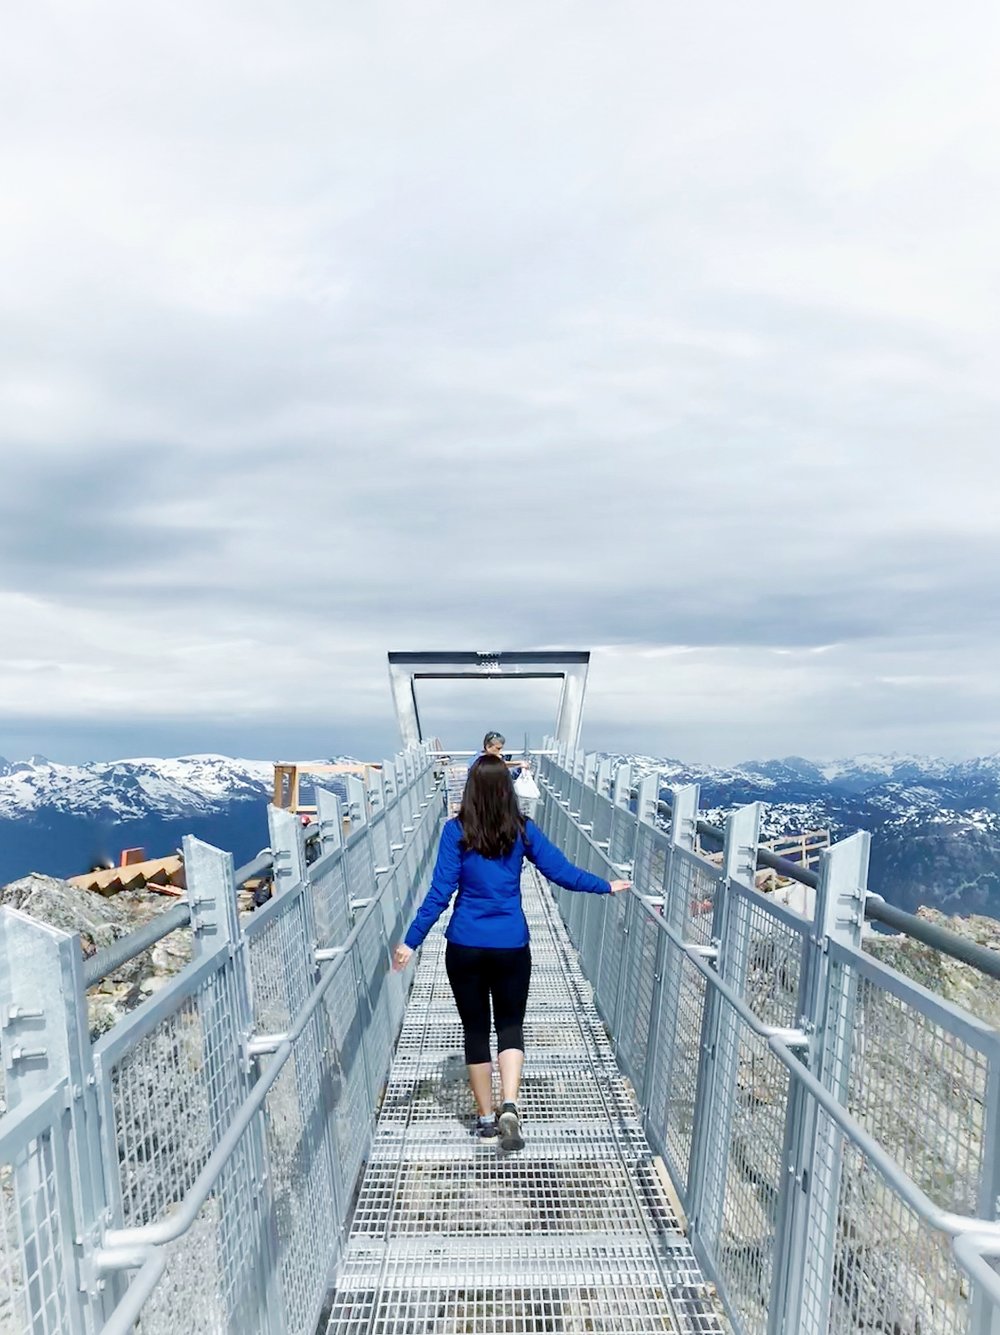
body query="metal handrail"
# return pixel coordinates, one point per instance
(971, 1238)
(125, 1248)
(945, 1221)
(532, 751)
(126, 948)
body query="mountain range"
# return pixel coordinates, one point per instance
(935, 824)
(66, 819)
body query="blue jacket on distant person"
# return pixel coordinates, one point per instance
(488, 908)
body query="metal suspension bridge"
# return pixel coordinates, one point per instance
(736, 1119)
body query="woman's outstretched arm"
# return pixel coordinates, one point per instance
(443, 885)
(557, 867)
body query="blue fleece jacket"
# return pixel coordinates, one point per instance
(488, 909)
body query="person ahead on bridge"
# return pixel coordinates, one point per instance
(488, 956)
(493, 745)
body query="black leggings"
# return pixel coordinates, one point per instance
(476, 974)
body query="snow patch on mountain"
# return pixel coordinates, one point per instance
(134, 787)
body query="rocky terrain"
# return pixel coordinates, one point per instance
(956, 982)
(100, 921)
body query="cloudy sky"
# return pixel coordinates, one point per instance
(664, 330)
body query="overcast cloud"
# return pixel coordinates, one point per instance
(662, 330)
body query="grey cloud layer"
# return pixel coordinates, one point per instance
(345, 333)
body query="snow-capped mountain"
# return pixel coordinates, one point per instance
(129, 789)
(935, 824)
(64, 819)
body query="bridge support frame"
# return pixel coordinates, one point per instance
(569, 666)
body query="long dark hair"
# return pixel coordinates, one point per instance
(489, 815)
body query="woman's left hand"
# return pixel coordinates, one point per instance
(401, 958)
(618, 886)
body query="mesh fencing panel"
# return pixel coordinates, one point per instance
(692, 883)
(172, 1097)
(751, 1168)
(673, 1077)
(35, 1224)
(332, 905)
(350, 1111)
(638, 991)
(889, 1271)
(922, 1091)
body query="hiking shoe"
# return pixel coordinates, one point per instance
(510, 1128)
(485, 1128)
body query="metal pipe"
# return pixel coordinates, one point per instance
(971, 1251)
(532, 752)
(119, 952)
(112, 957)
(123, 1319)
(263, 862)
(980, 957)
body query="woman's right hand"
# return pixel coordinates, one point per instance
(401, 958)
(618, 886)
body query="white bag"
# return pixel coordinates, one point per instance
(527, 793)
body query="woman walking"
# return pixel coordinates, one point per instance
(488, 957)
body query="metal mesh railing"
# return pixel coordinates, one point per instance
(673, 1079)
(888, 1270)
(36, 1230)
(812, 1215)
(749, 1166)
(229, 1115)
(167, 1099)
(920, 1086)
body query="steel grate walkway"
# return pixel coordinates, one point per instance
(574, 1233)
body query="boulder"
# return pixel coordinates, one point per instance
(101, 921)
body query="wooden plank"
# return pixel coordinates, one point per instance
(670, 1191)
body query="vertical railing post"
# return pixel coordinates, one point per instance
(806, 1233)
(43, 1005)
(621, 852)
(357, 800)
(290, 869)
(718, 1074)
(211, 888)
(669, 967)
(330, 816)
(648, 791)
(380, 827)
